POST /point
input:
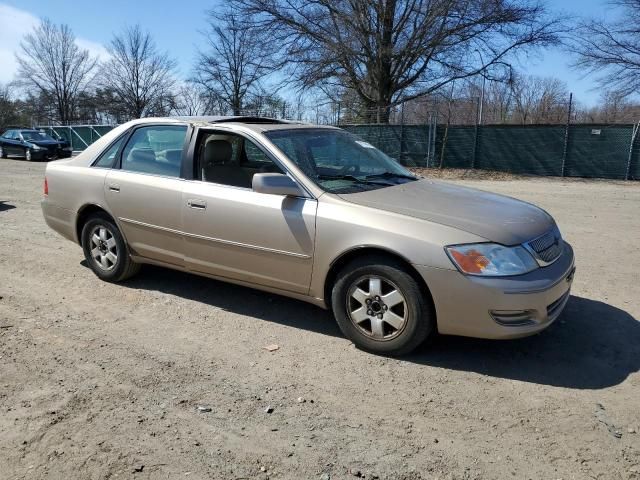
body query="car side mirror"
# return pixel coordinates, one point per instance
(276, 184)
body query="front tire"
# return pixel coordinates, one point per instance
(3, 153)
(27, 155)
(106, 251)
(381, 307)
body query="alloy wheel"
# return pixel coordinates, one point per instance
(27, 155)
(104, 249)
(377, 307)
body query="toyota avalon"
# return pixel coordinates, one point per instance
(317, 214)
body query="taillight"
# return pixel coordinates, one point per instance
(46, 186)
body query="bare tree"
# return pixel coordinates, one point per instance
(524, 99)
(236, 61)
(50, 62)
(140, 75)
(612, 48)
(498, 101)
(390, 51)
(191, 100)
(539, 100)
(613, 107)
(9, 113)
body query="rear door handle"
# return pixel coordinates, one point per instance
(197, 204)
(114, 188)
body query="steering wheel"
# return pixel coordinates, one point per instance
(350, 170)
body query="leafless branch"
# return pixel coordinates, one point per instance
(51, 63)
(140, 75)
(236, 61)
(611, 49)
(390, 51)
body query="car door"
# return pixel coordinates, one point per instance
(20, 144)
(236, 233)
(144, 191)
(9, 143)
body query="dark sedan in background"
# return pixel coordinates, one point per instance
(33, 145)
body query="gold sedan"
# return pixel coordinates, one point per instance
(317, 214)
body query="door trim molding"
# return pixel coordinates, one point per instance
(215, 240)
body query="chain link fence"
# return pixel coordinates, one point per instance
(411, 145)
(78, 136)
(417, 140)
(589, 151)
(452, 136)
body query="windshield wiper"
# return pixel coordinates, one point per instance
(353, 178)
(390, 175)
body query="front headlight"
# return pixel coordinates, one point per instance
(491, 259)
(36, 147)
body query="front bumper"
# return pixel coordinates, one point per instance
(46, 154)
(500, 308)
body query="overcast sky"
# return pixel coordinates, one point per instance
(176, 26)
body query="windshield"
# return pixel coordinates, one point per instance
(36, 136)
(337, 161)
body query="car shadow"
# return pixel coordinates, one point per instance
(592, 345)
(235, 299)
(6, 206)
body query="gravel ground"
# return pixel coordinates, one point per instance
(104, 381)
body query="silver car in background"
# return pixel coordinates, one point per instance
(317, 214)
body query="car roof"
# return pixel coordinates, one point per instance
(258, 124)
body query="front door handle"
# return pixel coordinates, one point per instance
(197, 204)
(114, 188)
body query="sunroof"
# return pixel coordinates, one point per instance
(262, 120)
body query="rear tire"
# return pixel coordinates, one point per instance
(381, 307)
(3, 153)
(106, 251)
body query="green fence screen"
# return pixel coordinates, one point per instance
(79, 136)
(597, 151)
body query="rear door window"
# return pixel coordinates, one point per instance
(155, 150)
(107, 159)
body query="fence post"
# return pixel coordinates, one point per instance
(475, 136)
(444, 144)
(634, 133)
(566, 135)
(401, 131)
(433, 136)
(429, 141)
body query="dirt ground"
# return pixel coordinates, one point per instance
(104, 381)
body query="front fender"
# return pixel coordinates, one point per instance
(342, 227)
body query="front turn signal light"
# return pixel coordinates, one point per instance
(491, 259)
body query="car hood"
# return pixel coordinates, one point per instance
(494, 217)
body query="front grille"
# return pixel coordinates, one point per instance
(547, 247)
(52, 151)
